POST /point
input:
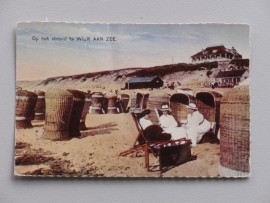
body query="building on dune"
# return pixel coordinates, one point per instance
(144, 82)
(231, 78)
(215, 53)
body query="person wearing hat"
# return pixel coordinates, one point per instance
(145, 121)
(196, 125)
(169, 124)
(152, 132)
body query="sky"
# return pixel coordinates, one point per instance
(38, 56)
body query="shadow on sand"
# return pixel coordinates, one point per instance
(103, 129)
(156, 167)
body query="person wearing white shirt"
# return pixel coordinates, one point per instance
(145, 121)
(169, 124)
(152, 132)
(196, 125)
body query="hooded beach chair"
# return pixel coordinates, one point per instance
(169, 152)
(208, 103)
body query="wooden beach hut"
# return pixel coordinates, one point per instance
(144, 82)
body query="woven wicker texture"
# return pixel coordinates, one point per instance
(87, 103)
(139, 102)
(105, 105)
(145, 101)
(208, 104)
(125, 100)
(133, 99)
(97, 101)
(136, 102)
(59, 105)
(111, 99)
(40, 106)
(78, 104)
(235, 129)
(155, 101)
(25, 108)
(178, 104)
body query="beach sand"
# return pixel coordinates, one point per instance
(96, 152)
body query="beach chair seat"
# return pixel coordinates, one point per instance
(169, 153)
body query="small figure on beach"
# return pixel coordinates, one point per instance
(179, 88)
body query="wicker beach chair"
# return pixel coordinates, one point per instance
(235, 133)
(155, 101)
(40, 106)
(169, 152)
(139, 101)
(122, 103)
(178, 102)
(208, 103)
(25, 108)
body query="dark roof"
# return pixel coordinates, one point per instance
(216, 50)
(233, 73)
(141, 79)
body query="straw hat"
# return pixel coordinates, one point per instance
(165, 107)
(192, 106)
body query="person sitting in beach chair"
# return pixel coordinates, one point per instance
(152, 139)
(169, 124)
(152, 132)
(196, 125)
(145, 121)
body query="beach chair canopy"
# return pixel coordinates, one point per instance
(178, 104)
(210, 98)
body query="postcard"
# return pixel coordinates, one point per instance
(132, 100)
